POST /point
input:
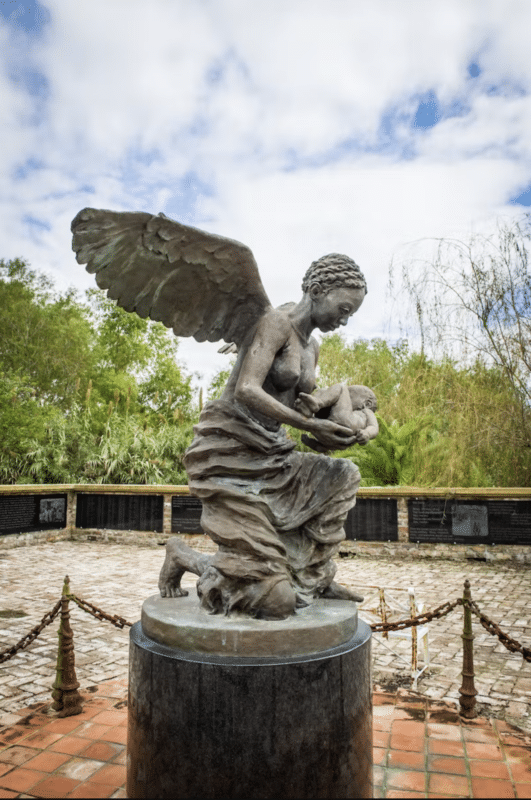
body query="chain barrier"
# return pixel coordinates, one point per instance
(32, 635)
(441, 611)
(98, 613)
(420, 619)
(382, 627)
(494, 629)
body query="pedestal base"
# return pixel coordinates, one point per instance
(233, 726)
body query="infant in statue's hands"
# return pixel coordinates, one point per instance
(350, 406)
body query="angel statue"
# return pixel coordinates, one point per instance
(276, 514)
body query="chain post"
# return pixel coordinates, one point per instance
(67, 700)
(414, 635)
(467, 690)
(383, 610)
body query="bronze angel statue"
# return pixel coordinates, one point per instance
(276, 514)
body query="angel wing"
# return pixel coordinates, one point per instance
(200, 284)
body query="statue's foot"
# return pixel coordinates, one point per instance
(180, 559)
(170, 583)
(306, 404)
(336, 592)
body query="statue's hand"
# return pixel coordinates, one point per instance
(330, 434)
(362, 437)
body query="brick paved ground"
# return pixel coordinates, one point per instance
(119, 577)
(421, 749)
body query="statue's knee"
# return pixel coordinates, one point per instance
(279, 602)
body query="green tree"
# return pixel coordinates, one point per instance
(22, 418)
(218, 383)
(87, 391)
(44, 335)
(137, 359)
(467, 414)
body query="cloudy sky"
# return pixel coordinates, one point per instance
(299, 127)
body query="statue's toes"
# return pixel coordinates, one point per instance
(172, 591)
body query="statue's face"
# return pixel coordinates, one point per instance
(333, 308)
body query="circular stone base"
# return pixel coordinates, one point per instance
(180, 622)
(238, 727)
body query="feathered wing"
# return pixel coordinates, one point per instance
(200, 284)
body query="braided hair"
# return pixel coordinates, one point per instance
(334, 271)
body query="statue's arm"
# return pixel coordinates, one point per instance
(271, 335)
(371, 429)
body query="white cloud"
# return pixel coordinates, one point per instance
(276, 109)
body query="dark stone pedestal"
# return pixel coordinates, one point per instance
(225, 726)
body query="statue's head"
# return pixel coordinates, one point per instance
(336, 287)
(334, 271)
(362, 397)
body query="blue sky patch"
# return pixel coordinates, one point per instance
(523, 199)
(35, 83)
(428, 113)
(36, 224)
(392, 138)
(506, 88)
(474, 70)
(26, 15)
(26, 20)
(25, 169)
(456, 108)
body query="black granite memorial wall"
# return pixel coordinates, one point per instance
(32, 512)
(120, 512)
(470, 521)
(373, 520)
(186, 514)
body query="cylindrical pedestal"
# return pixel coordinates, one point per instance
(227, 726)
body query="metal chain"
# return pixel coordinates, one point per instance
(32, 635)
(494, 629)
(98, 613)
(438, 613)
(420, 619)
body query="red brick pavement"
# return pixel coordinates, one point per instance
(421, 749)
